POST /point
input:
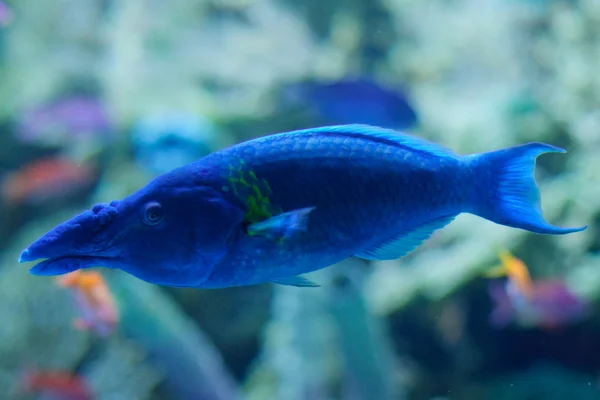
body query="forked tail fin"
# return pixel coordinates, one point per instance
(506, 190)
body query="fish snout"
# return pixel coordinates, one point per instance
(60, 241)
(73, 244)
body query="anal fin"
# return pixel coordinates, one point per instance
(405, 242)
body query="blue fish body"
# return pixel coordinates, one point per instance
(277, 207)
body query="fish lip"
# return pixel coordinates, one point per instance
(27, 256)
(34, 253)
(64, 264)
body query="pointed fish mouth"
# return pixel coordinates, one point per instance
(81, 242)
(64, 264)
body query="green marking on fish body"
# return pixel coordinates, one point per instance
(254, 192)
(258, 210)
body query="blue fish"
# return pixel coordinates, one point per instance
(351, 101)
(274, 208)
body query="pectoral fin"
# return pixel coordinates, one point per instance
(297, 280)
(282, 226)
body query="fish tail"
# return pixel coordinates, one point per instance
(506, 192)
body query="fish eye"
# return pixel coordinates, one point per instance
(152, 213)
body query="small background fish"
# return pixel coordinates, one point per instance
(68, 119)
(44, 180)
(97, 309)
(166, 141)
(352, 100)
(6, 14)
(548, 304)
(56, 384)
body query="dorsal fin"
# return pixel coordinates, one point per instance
(384, 136)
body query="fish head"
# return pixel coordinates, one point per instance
(169, 232)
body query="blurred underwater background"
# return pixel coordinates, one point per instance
(99, 96)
